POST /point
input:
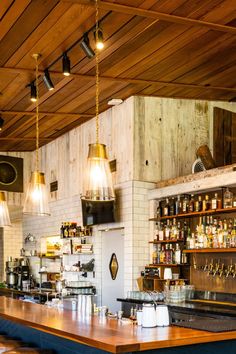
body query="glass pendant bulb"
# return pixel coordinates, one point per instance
(4, 213)
(98, 179)
(36, 201)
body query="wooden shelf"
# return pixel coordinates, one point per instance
(162, 265)
(196, 214)
(49, 273)
(210, 250)
(166, 241)
(159, 279)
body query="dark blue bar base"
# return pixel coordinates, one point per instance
(60, 345)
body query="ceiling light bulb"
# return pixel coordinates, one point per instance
(1, 123)
(66, 64)
(99, 39)
(33, 93)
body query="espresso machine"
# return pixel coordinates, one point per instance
(12, 266)
(23, 274)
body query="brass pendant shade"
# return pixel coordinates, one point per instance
(98, 179)
(36, 201)
(4, 213)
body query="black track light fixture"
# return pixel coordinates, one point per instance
(47, 80)
(84, 44)
(33, 92)
(99, 39)
(66, 64)
(1, 123)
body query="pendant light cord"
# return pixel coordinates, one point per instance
(37, 111)
(97, 77)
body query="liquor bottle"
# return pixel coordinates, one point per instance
(156, 231)
(172, 207)
(167, 230)
(220, 234)
(191, 204)
(192, 242)
(233, 235)
(62, 230)
(185, 204)
(158, 253)
(214, 202)
(167, 254)
(199, 203)
(188, 240)
(162, 255)
(206, 205)
(66, 229)
(166, 209)
(174, 233)
(159, 211)
(228, 199)
(178, 205)
(225, 234)
(154, 257)
(177, 255)
(161, 232)
(171, 256)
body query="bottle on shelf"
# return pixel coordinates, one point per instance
(177, 254)
(178, 205)
(172, 207)
(214, 202)
(167, 230)
(161, 232)
(188, 240)
(185, 204)
(166, 208)
(206, 205)
(192, 241)
(154, 257)
(162, 255)
(191, 204)
(228, 199)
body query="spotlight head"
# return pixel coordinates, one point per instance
(1, 123)
(66, 64)
(47, 80)
(33, 92)
(84, 44)
(99, 39)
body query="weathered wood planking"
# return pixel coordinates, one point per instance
(167, 134)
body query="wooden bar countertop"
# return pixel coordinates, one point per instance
(103, 333)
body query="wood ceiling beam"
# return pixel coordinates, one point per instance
(24, 139)
(119, 79)
(27, 113)
(135, 11)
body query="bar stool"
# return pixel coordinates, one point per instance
(27, 350)
(8, 344)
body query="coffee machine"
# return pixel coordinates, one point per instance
(23, 274)
(12, 266)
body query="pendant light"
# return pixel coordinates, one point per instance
(98, 179)
(36, 201)
(4, 213)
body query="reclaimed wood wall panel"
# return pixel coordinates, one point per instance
(167, 134)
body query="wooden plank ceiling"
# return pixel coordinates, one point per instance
(177, 48)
